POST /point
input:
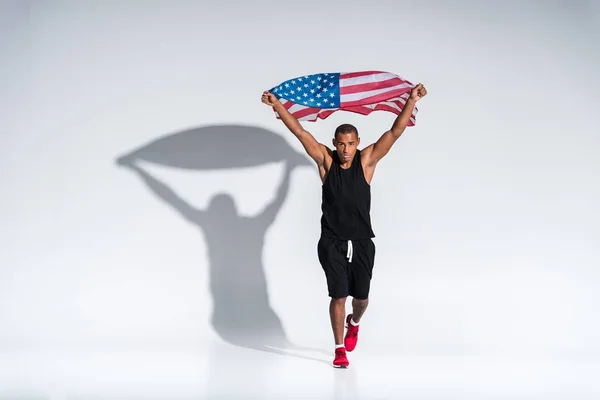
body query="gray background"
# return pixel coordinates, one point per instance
(196, 268)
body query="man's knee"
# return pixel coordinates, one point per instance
(360, 303)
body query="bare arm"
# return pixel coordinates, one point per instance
(379, 149)
(313, 148)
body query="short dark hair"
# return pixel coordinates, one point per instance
(345, 128)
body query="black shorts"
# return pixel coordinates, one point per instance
(347, 274)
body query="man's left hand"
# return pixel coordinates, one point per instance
(418, 92)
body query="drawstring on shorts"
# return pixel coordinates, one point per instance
(350, 251)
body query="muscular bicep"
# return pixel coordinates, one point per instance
(315, 150)
(380, 148)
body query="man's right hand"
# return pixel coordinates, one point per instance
(269, 99)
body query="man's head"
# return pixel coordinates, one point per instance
(346, 141)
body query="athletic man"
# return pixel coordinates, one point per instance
(345, 249)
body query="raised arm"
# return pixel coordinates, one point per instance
(376, 151)
(314, 149)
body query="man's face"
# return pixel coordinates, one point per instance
(346, 144)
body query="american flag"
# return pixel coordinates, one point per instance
(319, 95)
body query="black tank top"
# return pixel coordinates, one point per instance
(346, 202)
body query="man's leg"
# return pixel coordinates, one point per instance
(360, 272)
(333, 261)
(359, 306)
(337, 312)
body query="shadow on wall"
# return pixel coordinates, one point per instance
(242, 314)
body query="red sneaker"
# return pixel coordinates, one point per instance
(351, 337)
(340, 361)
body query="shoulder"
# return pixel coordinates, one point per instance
(366, 152)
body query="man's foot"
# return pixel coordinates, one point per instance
(351, 337)
(340, 360)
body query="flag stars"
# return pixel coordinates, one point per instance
(317, 90)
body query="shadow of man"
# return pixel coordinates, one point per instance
(242, 314)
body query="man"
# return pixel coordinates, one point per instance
(345, 249)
